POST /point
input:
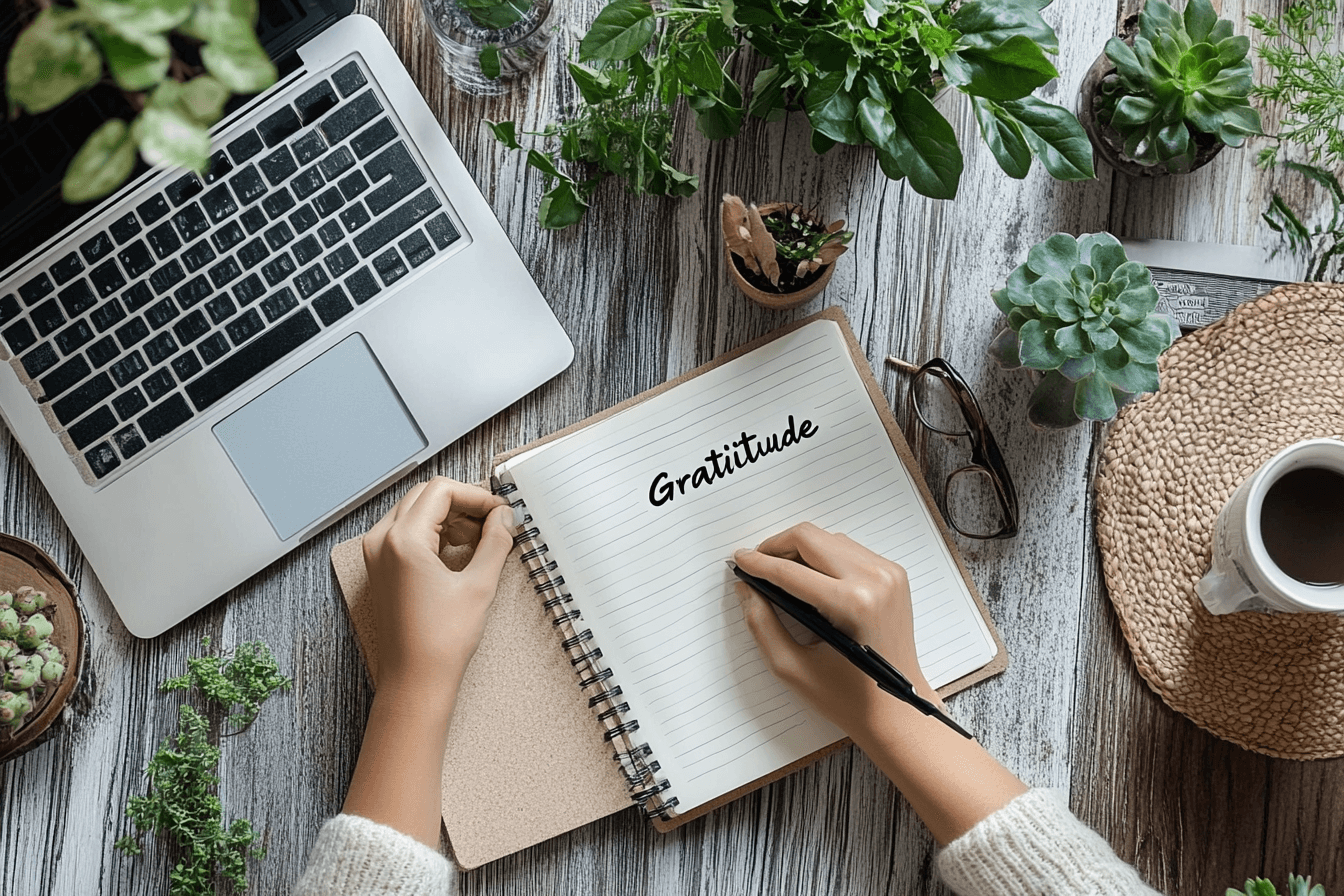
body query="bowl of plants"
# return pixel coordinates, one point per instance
(43, 644)
(485, 43)
(780, 254)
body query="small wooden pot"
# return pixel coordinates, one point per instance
(776, 300)
(24, 563)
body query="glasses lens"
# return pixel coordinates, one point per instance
(973, 505)
(937, 405)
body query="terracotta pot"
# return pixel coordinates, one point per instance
(24, 563)
(776, 300)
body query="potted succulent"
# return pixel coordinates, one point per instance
(1080, 316)
(1297, 886)
(1166, 97)
(780, 254)
(487, 42)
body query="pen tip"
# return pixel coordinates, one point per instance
(730, 564)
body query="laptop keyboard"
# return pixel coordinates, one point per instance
(192, 291)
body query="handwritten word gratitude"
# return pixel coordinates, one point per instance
(719, 465)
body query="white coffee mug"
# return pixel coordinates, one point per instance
(1243, 575)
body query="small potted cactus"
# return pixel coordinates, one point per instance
(32, 664)
(1297, 886)
(780, 254)
(1081, 317)
(1166, 96)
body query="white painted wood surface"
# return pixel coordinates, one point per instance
(640, 288)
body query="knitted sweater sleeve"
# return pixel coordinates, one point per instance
(354, 856)
(1034, 846)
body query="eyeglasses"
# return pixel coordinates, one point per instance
(944, 404)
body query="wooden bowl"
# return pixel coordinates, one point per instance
(24, 563)
(776, 300)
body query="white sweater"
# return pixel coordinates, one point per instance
(1033, 846)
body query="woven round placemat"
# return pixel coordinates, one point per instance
(1233, 394)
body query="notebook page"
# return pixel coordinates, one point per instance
(641, 540)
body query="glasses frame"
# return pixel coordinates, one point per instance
(985, 454)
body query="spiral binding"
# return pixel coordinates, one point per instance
(635, 759)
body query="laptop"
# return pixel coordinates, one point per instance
(206, 371)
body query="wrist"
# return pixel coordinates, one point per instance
(419, 689)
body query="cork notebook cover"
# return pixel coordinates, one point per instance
(570, 776)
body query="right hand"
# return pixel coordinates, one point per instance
(861, 593)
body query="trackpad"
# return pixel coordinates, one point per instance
(320, 437)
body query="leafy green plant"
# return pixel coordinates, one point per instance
(863, 72)
(1297, 886)
(1321, 246)
(1186, 76)
(181, 803)
(1082, 314)
(69, 48)
(1306, 81)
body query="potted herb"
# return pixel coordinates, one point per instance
(1080, 316)
(1297, 886)
(780, 254)
(1167, 99)
(487, 42)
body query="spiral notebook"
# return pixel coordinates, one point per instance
(616, 666)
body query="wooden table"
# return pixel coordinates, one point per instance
(640, 287)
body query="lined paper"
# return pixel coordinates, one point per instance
(651, 580)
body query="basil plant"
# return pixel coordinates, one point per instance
(1083, 315)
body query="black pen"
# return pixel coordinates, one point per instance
(868, 660)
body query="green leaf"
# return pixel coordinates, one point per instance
(1051, 404)
(1199, 19)
(1105, 259)
(719, 117)
(1004, 138)
(1146, 340)
(168, 133)
(832, 110)
(1038, 348)
(1093, 399)
(1001, 299)
(1054, 257)
(489, 61)
(925, 146)
(135, 65)
(1117, 369)
(767, 94)
(496, 15)
(1158, 18)
(237, 60)
(544, 163)
(1090, 241)
(820, 143)
(102, 164)
(594, 86)
(1127, 65)
(1133, 111)
(1004, 349)
(1051, 296)
(51, 61)
(203, 99)
(990, 23)
(701, 68)
(1072, 341)
(1008, 71)
(561, 206)
(1055, 136)
(505, 132)
(622, 29)
(134, 18)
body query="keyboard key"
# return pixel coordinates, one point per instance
(224, 273)
(278, 203)
(160, 349)
(333, 165)
(128, 441)
(66, 269)
(253, 254)
(279, 235)
(370, 139)
(191, 328)
(197, 256)
(228, 236)
(137, 297)
(96, 248)
(64, 377)
(219, 166)
(330, 202)
(331, 234)
(274, 128)
(186, 366)
(82, 399)
(163, 240)
(278, 304)
(152, 209)
(245, 327)
(416, 248)
(124, 228)
(314, 101)
(19, 336)
(355, 217)
(47, 317)
(136, 259)
(9, 309)
(182, 189)
(390, 267)
(252, 359)
(249, 290)
(107, 314)
(158, 384)
(306, 249)
(245, 146)
(161, 314)
(310, 281)
(349, 78)
(332, 305)
(35, 289)
(191, 222)
(133, 332)
(72, 337)
(107, 278)
(354, 184)
(248, 185)
(92, 427)
(102, 352)
(101, 459)
(130, 403)
(394, 162)
(406, 216)
(76, 298)
(40, 360)
(306, 182)
(278, 269)
(220, 308)
(340, 261)
(128, 370)
(166, 277)
(278, 166)
(213, 347)
(219, 204)
(362, 286)
(309, 147)
(193, 291)
(254, 219)
(303, 219)
(351, 117)
(164, 417)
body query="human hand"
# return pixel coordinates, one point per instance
(429, 618)
(861, 593)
